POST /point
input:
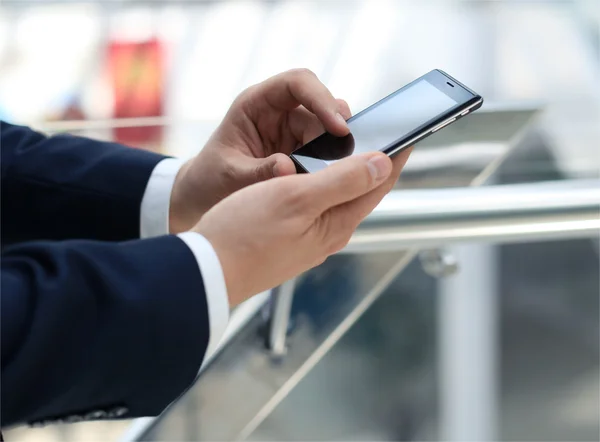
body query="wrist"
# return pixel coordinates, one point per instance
(229, 265)
(182, 211)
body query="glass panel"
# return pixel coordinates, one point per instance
(382, 381)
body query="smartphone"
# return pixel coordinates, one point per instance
(400, 120)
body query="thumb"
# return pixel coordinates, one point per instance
(348, 179)
(276, 165)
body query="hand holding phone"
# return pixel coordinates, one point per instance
(409, 115)
(272, 231)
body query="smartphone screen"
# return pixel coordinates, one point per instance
(383, 126)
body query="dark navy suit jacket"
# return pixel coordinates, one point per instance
(95, 322)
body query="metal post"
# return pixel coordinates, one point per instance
(280, 317)
(468, 346)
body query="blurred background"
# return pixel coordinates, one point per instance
(160, 75)
(187, 60)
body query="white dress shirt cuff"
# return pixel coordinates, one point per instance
(154, 221)
(214, 287)
(154, 212)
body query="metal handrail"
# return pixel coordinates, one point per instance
(518, 199)
(135, 122)
(110, 123)
(508, 213)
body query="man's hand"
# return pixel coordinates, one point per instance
(263, 126)
(272, 231)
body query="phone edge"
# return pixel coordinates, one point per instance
(394, 150)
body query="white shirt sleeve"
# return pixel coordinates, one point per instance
(154, 213)
(154, 221)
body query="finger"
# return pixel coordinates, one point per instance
(347, 180)
(349, 215)
(253, 170)
(304, 126)
(344, 109)
(283, 165)
(301, 87)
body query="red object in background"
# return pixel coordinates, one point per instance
(136, 72)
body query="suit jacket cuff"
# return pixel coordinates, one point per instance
(214, 287)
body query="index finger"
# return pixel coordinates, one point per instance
(301, 87)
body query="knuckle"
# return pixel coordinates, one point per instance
(262, 173)
(248, 92)
(302, 73)
(344, 104)
(245, 98)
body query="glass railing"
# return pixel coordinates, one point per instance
(504, 349)
(437, 321)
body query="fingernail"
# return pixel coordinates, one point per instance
(341, 119)
(380, 167)
(275, 171)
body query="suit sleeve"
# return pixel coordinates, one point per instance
(67, 187)
(94, 330)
